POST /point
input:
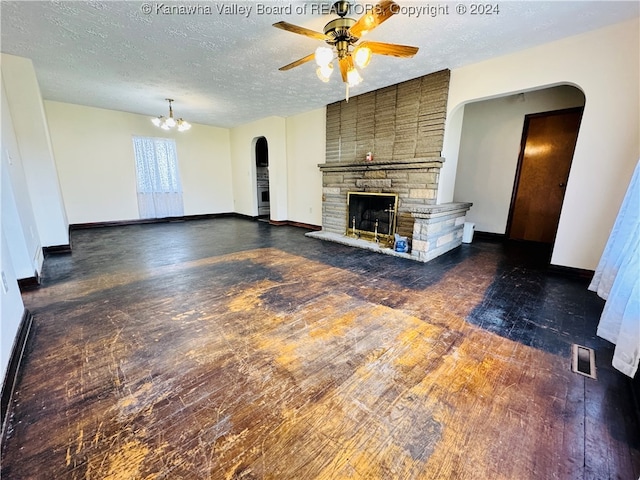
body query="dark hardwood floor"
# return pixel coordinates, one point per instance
(233, 349)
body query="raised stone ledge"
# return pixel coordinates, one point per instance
(437, 229)
(413, 163)
(440, 210)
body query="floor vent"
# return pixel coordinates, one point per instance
(583, 361)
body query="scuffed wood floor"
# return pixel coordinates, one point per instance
(229, 349)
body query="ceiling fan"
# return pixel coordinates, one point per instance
(342, 35)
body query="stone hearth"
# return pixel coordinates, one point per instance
(436, 230)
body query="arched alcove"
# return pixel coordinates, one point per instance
(261, 162)
(261, 152)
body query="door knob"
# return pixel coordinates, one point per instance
(562, 184)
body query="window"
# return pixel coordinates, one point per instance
(158, 179)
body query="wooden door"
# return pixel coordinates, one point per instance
(548, 143)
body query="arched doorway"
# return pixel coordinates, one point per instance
(488, 157)
(261, 154)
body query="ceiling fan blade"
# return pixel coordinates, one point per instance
(289, 27)
(346, 63)
(392, 49)
(306, 59)
(381, 12)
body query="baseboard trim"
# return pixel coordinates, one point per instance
(580, 273)
(635, 392)
(308, 226)
(490, 237)
(56, 250)
(244, 217)
(29, 283)
(13, 370)
(120, 223)
(291, 223)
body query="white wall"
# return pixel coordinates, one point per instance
(18, 220)
(11, 306)
(489, 150)
(24, 100)
(605, 65)
(244, 167)
(94, 156)
(19, 239)
(96, 164)
(306, 140)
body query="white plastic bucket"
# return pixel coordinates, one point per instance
(467, 232)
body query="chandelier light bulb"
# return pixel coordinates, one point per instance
(183, 125)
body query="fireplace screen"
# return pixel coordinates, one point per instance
(372, 216)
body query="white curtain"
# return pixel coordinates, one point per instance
(158, 180)
(617, 280)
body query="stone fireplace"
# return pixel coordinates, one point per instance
(389, 141)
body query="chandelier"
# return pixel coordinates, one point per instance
(167, 123)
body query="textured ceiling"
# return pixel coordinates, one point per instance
(220, 64)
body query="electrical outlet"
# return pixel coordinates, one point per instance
(5, 285)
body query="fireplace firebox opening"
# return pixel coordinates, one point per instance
(372, 216)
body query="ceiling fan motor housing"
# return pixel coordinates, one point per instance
(338, 32)
(343, 34)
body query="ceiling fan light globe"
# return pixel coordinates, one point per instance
(321, 75)
(362, 56)
(323, 56)
(353, 77)
(327, 70)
